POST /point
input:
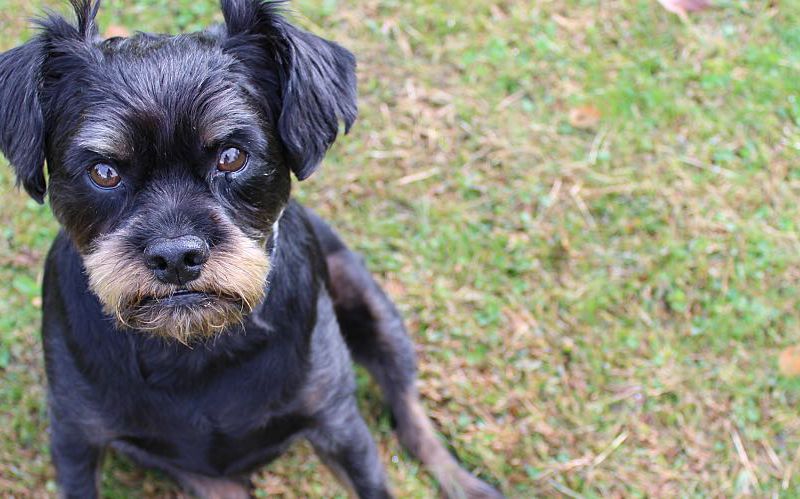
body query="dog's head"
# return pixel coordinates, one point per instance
(169, 157)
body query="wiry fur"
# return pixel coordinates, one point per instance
(21, 120)
(309, 69)
(233, 279)
(86, 12)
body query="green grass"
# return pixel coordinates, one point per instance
(598, 309)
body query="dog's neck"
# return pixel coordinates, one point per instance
(271, 246)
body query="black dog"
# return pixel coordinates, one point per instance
(195, 318)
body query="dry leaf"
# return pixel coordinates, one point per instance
(682, 7)
(116, 30)
(584, 117)
(25, 258)
(789, 361)
(394, 288)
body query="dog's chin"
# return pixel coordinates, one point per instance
(183, 316)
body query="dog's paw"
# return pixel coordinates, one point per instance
(468, 486)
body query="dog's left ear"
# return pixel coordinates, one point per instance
(316, 78)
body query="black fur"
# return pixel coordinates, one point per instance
(21, 121)
(158, 110)
(308, 70)
(229, 399)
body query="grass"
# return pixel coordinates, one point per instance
(587, 211)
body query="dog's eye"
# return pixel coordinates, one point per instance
(104, 176)
(231, 159)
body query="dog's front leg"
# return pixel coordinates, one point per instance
(345, 445)
(77, 461)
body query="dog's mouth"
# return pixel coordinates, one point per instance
(180, 298)
(182, 314)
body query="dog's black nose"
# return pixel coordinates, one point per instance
(177, 260)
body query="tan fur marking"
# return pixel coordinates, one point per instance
(103, 137)
(233, 278)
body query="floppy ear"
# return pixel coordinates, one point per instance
(22, 132)
(316, 79)
(21, 121)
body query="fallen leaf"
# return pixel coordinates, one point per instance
(584, 117)
(789, 361)
(521, 321)
(116, 30)
(394, 288)
(24, 258)
(682, 7)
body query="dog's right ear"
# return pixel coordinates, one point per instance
(22, 73)
(21, 120)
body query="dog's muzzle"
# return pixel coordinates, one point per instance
(178, 288)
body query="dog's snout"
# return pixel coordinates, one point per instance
(177, 260)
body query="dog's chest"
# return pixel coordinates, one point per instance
(214, 409)
(232, 421)
(202, 444)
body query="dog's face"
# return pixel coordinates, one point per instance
(169, 157)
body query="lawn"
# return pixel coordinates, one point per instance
(586, 209)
